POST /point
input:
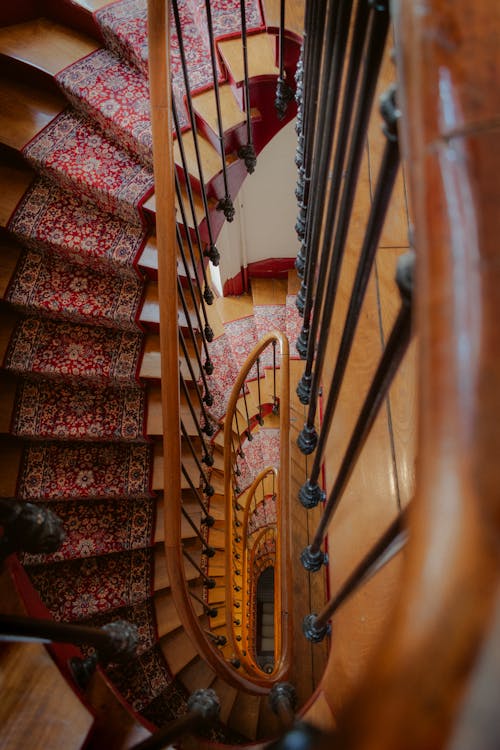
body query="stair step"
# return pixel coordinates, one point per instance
(269, 726)
(245, 715)
(167, 617)
(186, 530)
(205, 107)
(38, 707)
(45, 45)
(261, 56)
(227, 696)
(196, 675)
(210, 159)
(178, 649)
(161, 577)
(25, 111)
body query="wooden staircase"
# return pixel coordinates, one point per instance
(32, 54)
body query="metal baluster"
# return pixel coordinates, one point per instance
(210, 583)
(225, 204)
(260, 418)
(208, 366)
(208, 490)
(283, 702)
(206, 458)
(208, 520)
(310, 493)
(219, 640)
(212, 253)
(308, 387)
(242, 455)
(276, 402)
(207, 292)
(207, 396)
(248, 431)
(284, 94)
(323, 146)
(210, 611)
(208, 428)
(312, 556)
(246, 152)
(206, 550)
(316, 627)
(28, 528)
(321, 109)
(209, 334)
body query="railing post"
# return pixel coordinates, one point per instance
(28, 527)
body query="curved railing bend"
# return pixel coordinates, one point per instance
(283, 614)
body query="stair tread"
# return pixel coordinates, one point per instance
(244, 715)
(167, 617)
(227, 696)
(46, 45)
(210, 157)
(25, 111)
(178, 649)
(261, 56)
(205, 106)
(196, 675)
(10, 252)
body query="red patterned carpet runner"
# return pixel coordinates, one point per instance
(72, 411)
(100, 527)
(49, 285)
(293, 324)
(102, 173)
(58, 349)
(54, 220)
(116, 96)
(97, 584)
(57, 471)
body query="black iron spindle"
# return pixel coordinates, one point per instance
(247, 151)
(28, 528)
(212, 253)
(312, 556)
(284, 94)
(210, 611)
(206, 458)
(207, 428)
(260, 418)
(310, 493)
(225, 204)
(248, 430)
(207, 520)
(322, 145)
(316, 627)
(208, 490)
(209, 334)
(308, 387)
(207, 396)
(207, 292)
(209, 583)
(319, 118)
(208, 366)
(276, 402)
(206, 549)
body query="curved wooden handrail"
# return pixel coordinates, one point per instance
(414, 689)
(161, 121)
(283, 568)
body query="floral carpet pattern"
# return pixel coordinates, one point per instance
(103, 174)
(77, 471)
(59, 349)
(51, 219)
(73, 411)
(96, 527)
(49, 285)
(293, 324)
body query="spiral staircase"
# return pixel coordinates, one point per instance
(81, 404)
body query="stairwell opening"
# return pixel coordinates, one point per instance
(264, 646)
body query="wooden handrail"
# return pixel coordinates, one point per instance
(283, 567)
(161, 120)
(415, 686)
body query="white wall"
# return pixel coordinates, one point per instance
(266, 209)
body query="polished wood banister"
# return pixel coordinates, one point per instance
(415, 686)
(283, 569)
(161, 120)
